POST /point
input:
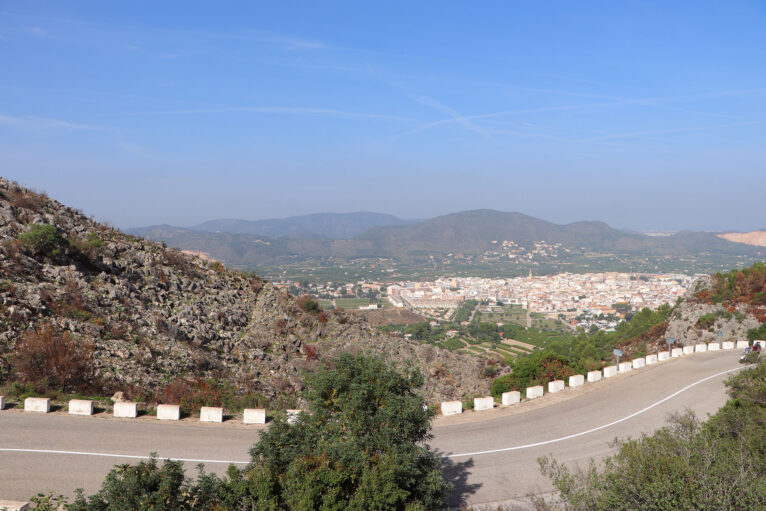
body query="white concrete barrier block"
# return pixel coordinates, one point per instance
(451, 408)
(37, 404)
(292, 416)
(651, 359)
(511, 398)
(713, 346)
(662, 356)
(688, 350)
(14, 505)
(125, 410)
(168, 412)
(254, 416)
(638, 363)
(594, 376)
(760, 343)
(700, 348)
(535, 392)
(211, 414)
(555, 386)
(2, 405)
(610, 371)
(727, 345)
(741, 345)
(676, 352)
(624, 367)
(576, 380)
(483, 403)
(80, 407)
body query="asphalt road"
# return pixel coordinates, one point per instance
(597, 413)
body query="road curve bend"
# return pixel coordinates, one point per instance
(491, 456)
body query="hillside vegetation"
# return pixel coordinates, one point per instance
(87, 308)
(586, 352)
(747, 286)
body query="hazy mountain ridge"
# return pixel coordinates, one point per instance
(468, 232)
(331, 226)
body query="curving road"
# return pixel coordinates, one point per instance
(491, 455)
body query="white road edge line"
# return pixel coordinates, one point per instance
(575, 435)
(109, 455)
(518, 447)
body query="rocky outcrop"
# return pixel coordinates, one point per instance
(151, 314)
(695, 321)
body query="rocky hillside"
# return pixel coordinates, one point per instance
(732, 303)
(85, 306)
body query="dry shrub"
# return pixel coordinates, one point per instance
(17, 317)
(281, 385)
(256, 284)
(193, 393)
(8, 288)
(72, 304)
(307, 320)
(14, 251)
(438, 370)
(53, 359)
(310, 352)
(280, 327)
(27, 199)
(176, 259)
(73, 294)
(202, 361)
(90, 245)
(308, 304)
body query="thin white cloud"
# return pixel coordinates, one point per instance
(656, 102)
(46, 123)
(293, 43)
(305, 111)
(454, 115)
(503, 113)
(281, 41)
(641, 134)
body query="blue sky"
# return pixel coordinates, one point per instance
(648, 115)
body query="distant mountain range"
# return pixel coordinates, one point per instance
(349, 235)
(332, 226)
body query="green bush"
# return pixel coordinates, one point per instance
(757, 333)
(44, 240)
(308, 304)
(149, 487)
(709, 319)
(537, 369)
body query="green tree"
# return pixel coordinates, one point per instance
(360, 447)
(44, 240)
